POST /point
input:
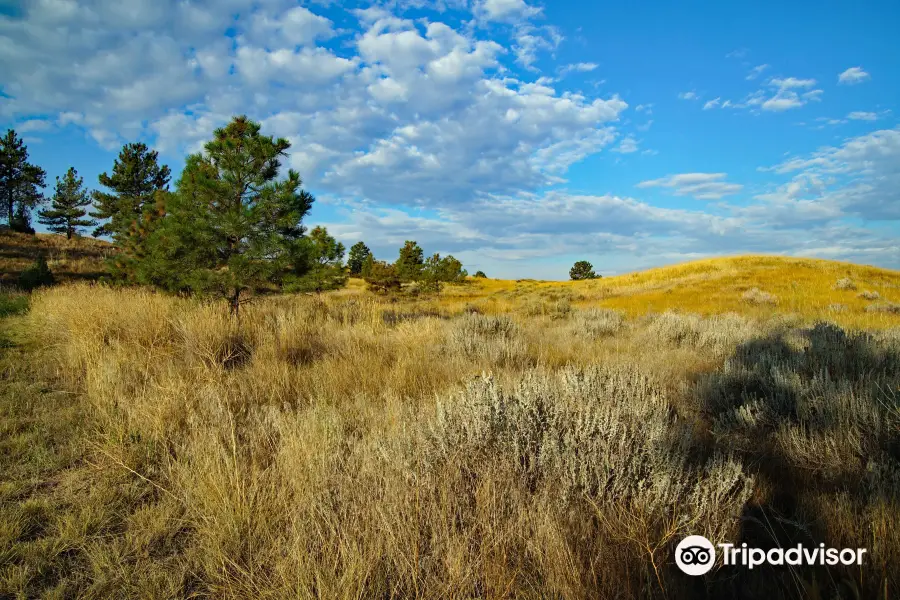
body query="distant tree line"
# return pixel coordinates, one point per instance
(232, 226)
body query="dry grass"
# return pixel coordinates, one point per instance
(466, 445)
(806, 288)
(70, 260)
(498, 440)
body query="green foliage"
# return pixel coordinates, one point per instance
(136, 177)
(132, 208)
(582, 270)
(232, 226)
(480, 275)
(20, 183)
(67, 212)
(367, 266)
(411, 262)
(359, 253)
(324, 269)
(37, 275)
(381, 276)
(447, 269)
(12, 304)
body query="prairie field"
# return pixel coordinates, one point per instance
(500, 439)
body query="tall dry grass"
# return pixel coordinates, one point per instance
(346, 446)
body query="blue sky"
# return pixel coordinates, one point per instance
(519, 136)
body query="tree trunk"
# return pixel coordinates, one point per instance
(235, 302)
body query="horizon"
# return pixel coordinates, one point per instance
(518, 136)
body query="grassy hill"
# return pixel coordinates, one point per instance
(855, 296)
(850, 295)
(77, 259)
(504, 439)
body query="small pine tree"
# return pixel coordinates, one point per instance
(480, 275)
(20, 183)
(582, 270)
(367, 266)
(382, 277)
(37, 275)
(136, 178)
(67, 211)
(411, 262)
(324, 268)
(447, 269)
(359, 252)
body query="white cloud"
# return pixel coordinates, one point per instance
(756, 72)
(791, 82)
(297, 26)
(859, 115)
(861, 176)
(505, 10)
(852, 76)
(712, 104)
(530, 40)
(402, 113)
(703, 186)
(782, 100)
(582, 67)
(626, 146)
(689, 95)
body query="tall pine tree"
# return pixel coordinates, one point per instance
(20, 183)
(232, 226)
(359, 252)
(411, 261)
(67, 212)
(136, 178)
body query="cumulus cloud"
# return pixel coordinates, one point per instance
(703, 186)
(860, 177)
(427, 127)
(852, 76)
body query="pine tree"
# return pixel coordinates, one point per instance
(232, 226)
(325, 270)
(136, 178)
(359, 252)
(20, 183)
(582, 270)
(67, 212)
(367, 266)
(411, 262)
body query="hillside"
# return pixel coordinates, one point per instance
(77, 259)
(804, 287)
(808, 288)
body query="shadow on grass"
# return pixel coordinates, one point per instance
(815, 415)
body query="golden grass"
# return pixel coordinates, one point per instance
(804, 288)
(347, 445)
(70, 260)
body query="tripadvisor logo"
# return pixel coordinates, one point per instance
(696, 555)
